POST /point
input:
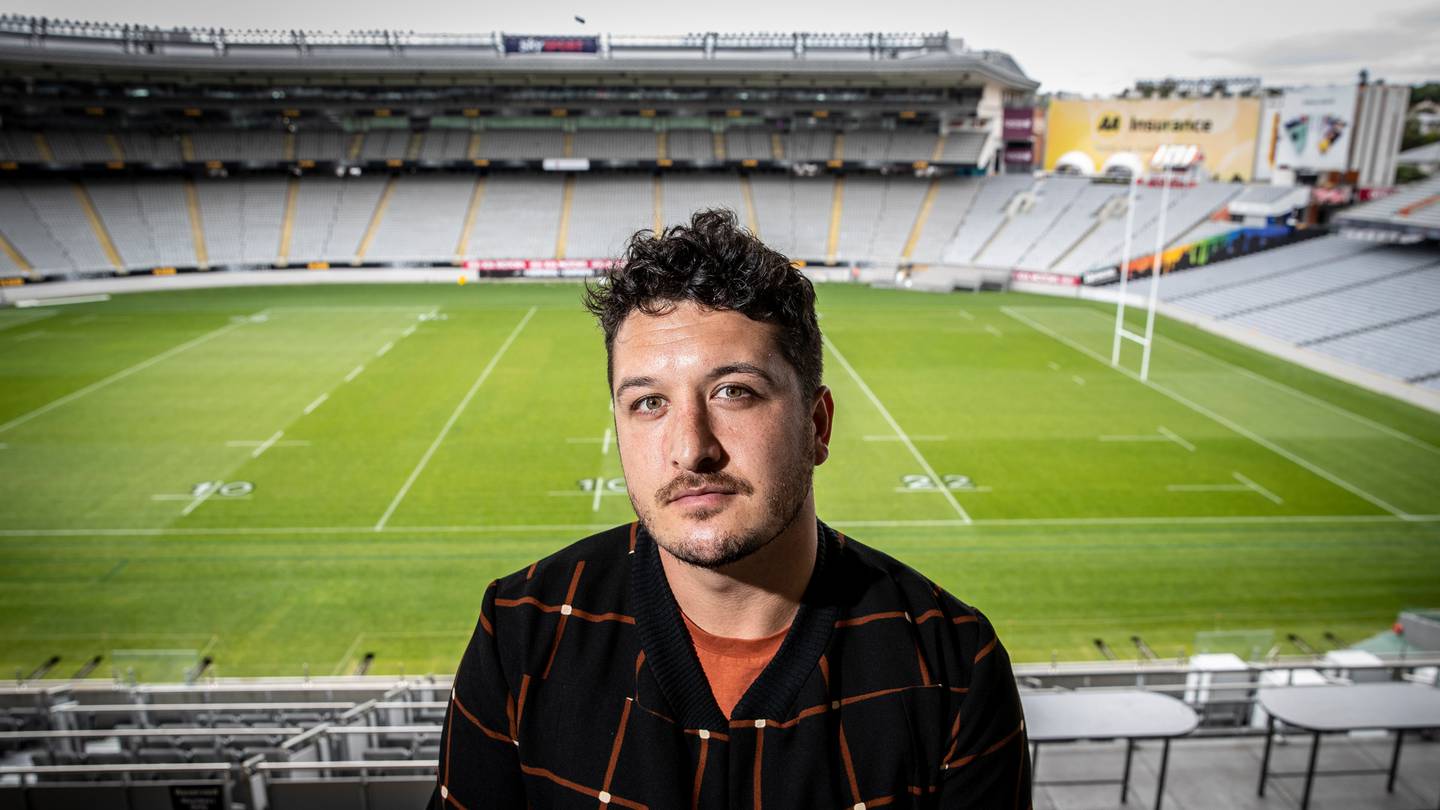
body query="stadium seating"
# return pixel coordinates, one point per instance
(1003, 222)
(878, 215)
(690, 144)
(423, 219)
(604, 212)
(445, 145)
(1373, 305)
(984, 217)
(242, 219)
(1024, 228)
(616, 144)
(147, 220)
(683, 194)
(47, 224)
(518, 218)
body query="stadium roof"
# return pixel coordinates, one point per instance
(1412, 211)
(874, 59)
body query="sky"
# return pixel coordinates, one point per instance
(1092, 48)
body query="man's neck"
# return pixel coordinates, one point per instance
(755, 597)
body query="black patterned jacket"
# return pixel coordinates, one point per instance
(580, 689)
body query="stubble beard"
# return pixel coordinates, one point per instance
(781, 507)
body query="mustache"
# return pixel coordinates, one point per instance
(718, 480)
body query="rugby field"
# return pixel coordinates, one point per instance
(286, 479)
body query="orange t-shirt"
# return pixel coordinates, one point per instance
(732, 664)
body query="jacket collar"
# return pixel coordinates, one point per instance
(671, 656)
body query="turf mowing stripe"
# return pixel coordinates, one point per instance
(454, 417)
(119, 375)
(1311, 398)
(895, 426)
(1225, 421)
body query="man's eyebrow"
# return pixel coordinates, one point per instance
(634, 382)
(742, 368)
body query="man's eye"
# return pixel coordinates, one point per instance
(732, 392)
(648, 404)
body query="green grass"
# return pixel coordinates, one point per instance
(104, 407)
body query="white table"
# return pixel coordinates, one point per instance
(1394, 707)
(1129, 715)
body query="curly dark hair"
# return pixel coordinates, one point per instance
(718, 265)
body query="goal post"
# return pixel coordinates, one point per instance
(1164, 159)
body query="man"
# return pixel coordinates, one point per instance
(728, 650)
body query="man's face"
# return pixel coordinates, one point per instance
(717, 438)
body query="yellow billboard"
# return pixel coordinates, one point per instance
(1120, 130)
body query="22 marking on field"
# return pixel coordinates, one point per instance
(1245, 485)
(916, 483)
(1161, 434)
(895, 426)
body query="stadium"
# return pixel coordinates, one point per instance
(295, 363)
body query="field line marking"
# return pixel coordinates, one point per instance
(1077, 379)
(966, 314)
(118, 376)
(605, 443)
(1133, 438)
(565, 528)
(454, 417)
(895, 426)
(354, 372)
(267, 444)
(1206, 488)
(912, 438)
(599, 491)
(383, 349)
(1311, 398)
(409, 330)
(349, 651)
(1175, 437)
(1262, 490)
(31, 317)
(1204, 411)
(206, 490)
(320, 400)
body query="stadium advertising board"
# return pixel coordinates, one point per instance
(1019, 123)
(531, 44)
(1212, 249)
(1224, 130)
(1309, 128)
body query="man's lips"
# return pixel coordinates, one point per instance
(701, 497)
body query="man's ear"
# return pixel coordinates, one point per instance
(822, 418)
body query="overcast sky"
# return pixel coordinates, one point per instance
(1097, 47)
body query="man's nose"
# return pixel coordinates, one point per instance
(693, 444)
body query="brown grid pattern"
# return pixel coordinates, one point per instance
(585, 718)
